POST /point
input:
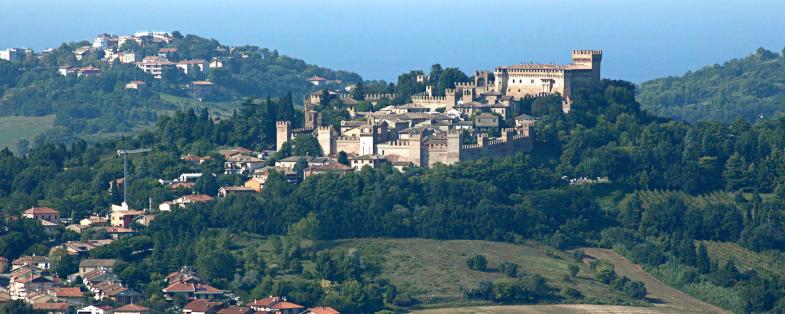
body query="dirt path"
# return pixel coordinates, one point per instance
(663, 296)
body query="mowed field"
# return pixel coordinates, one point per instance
(435, 271)
(15, 128)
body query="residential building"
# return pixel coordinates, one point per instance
(236, 310)
(131, 309)
(124, 218)
(66, 70)
(200, 306)
(42, 213)
(317, 80)
(225, 191)
(88, 71)
(53, 308)
(373, 161)
(184, 201)
(167, 53)
(278, 305)
(321, 310)
(134, 85)
(40, 262)
(72, 296)
(92, 264)
(242, 164)
(127, 57)
(191, 291)
(200, 89)
(330, 167)
(92, 309)
(190, 67)
(155, 66)
(11, 54)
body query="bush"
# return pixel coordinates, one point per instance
(604, 272)
(510, 269)
(574, 269)
(573, 293)
(477, 262)
(635, 289)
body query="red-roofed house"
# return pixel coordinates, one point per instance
(132, 309)
(53, 308)
(72, 296)
(92, 309)
(202, 307)
(88, 71)
(191, 291)
(236, 310)
(322, 310)
(317, 80)
(277, 305)
(43, 213)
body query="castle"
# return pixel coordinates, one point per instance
(432, 129)
(514, 82)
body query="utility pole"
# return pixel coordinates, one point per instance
(124, 153)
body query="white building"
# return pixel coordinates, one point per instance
(155, 65)
(10, 54)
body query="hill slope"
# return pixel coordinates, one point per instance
(746, 88)
(435, 271)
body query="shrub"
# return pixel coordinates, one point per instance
(573, 293)
(510, 269)
(574, 269)
(477, 262)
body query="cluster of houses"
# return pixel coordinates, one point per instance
(95, 286)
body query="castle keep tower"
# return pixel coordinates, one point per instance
(591, 59)
(283, 132)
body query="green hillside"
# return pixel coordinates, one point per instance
(435, 272)
(748, 88)
(15, 128)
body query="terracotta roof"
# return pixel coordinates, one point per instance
(40, 211)
(198, 198)
(237, 188)
(68, 292)
(323, 310)
(182, 185)
(194, 61)
(202, 83)
(202, 305)
(51, 306)
(332, 166)
(131, 307)
(235, 310)
(284, 305)
(30, 260)
(167, 50)
(97, 262)
(316, 78)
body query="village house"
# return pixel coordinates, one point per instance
(88, 71)
(236, 310)
(200, 89)
(184, 201)
(189, 67)
(373, 161)
(120, 232)
(11, 54)
(72, 296)
(52, 308)
(92, 309)
(317, 80)
(28, 280)
(94, 221)
(135, 85)
(39, 262)
(66, 70)
(188, 177)
(330, 167)
(225, 191)
(242, 164)
(42, 213)
(124, 218)
(83, 247)
(131, 309)
(167, 53)
(278, 305)
(92, 264)
(191, 291)
(321, 310)
(155, 66)
(195, 159)
(288, 163)
(202, 307)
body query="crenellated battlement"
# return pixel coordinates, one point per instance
(282, 123)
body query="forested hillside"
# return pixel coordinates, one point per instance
(101, 104)
(748, 88)
(725, 183)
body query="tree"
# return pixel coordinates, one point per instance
(343, 158)
(735, 173)
(477, 262)
(509, 268)
(207, 183)
(573, 269)
(702, 261)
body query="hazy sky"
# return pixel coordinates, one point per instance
(381, 39)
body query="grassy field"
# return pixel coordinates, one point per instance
(14, 128)
(722, 252)
(435, 272)
(547, 309)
